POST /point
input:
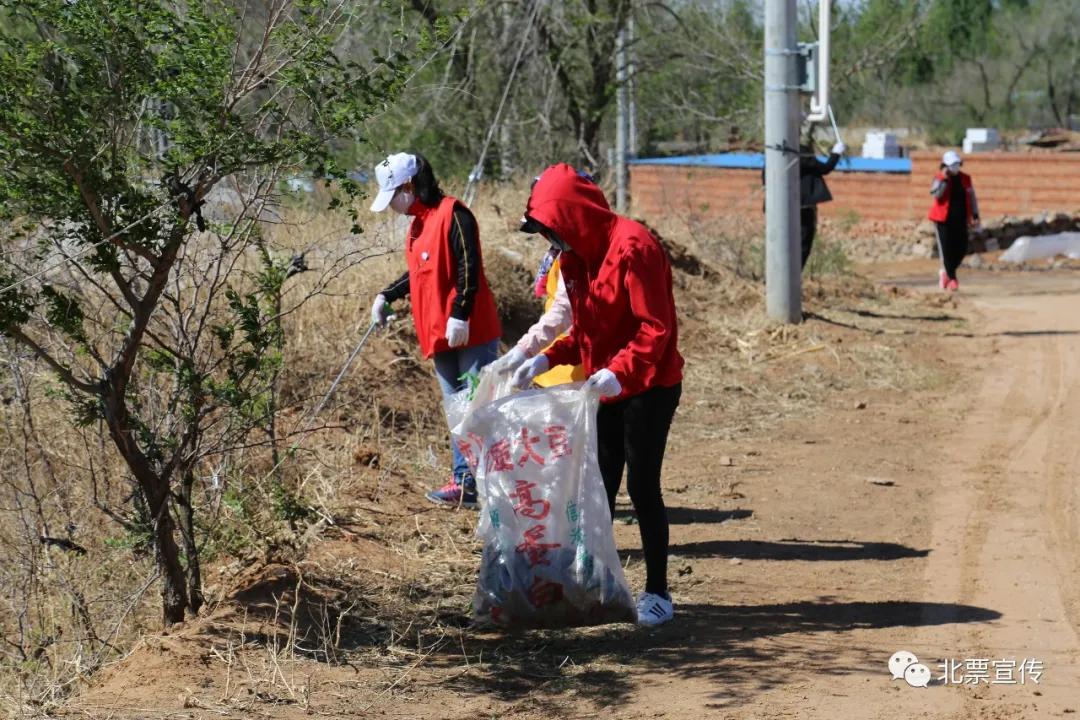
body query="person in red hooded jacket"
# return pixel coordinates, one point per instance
(452, 305)
(625, 334)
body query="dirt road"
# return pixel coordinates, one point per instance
(945, 525)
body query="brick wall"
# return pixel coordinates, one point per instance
(1012, 183)
(694, 193)
(871, 196)
(1005, 184)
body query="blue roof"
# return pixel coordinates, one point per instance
(755, 161)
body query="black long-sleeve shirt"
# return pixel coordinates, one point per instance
(812, 187)
(464, 239)
(810, 165)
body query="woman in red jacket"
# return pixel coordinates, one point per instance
(453, 308)
(953, 211)
(625, 334)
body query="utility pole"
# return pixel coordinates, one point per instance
(783, 273)
(621, 124)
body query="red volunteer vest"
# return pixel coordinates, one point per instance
(939, 207)
(433, 281)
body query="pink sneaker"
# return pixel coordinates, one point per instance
(954, 284)
(943, 279)
(456, 495)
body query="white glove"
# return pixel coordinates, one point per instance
(509, 362)
(839, 148)
(605, 383)
(457, 332)
(530, 369)
(380, 311)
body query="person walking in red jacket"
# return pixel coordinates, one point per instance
(452, 305)
(625, 334)
(953, 210)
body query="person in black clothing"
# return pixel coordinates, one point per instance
(813, 190)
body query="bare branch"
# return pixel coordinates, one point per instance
(65, 373)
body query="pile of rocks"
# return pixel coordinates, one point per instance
(885, 241)
(879, 241)
(1000, 234)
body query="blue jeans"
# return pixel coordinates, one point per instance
(451, 367)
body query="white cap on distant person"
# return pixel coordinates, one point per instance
(951, 157)
(390, 174)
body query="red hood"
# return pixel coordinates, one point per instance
(575, 208)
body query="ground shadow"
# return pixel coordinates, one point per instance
(817, 550)
(940, 317)
(809, 315)
(1036, 333)
(807, 616)
(734, 650)
(1014, 333)
(720, 644)
(690, 516)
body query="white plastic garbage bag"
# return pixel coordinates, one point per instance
(549, 557)
(485, 387)
(1043, 246)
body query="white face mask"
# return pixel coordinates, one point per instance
(402, 201)
(953, 169)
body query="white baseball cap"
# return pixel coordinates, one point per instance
(390, 174)
(951, 157)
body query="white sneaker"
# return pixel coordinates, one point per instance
(653, 609)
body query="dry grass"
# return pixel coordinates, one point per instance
(373, 587)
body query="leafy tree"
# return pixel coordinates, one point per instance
(123, 124)
(699, 72)
(554, 61)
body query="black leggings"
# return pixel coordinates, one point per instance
(952, 246)
(633, 433)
